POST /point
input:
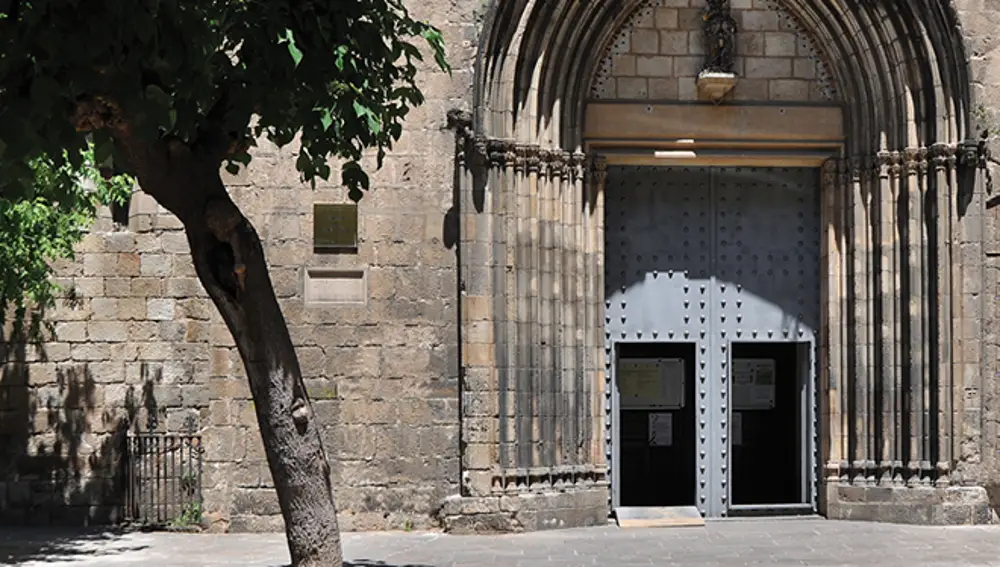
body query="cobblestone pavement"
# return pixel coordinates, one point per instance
(750, 542)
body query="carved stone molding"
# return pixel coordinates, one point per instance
(942, 155)
(914, 160)
(523, 158)
(514, 481)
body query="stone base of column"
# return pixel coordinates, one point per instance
(526, 512)
(951, 506)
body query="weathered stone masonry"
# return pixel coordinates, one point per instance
(465, 386)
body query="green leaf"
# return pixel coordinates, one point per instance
(326, 119)
(293, 49)
(360, 110)
(339, 53)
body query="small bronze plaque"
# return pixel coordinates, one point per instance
(335, 226)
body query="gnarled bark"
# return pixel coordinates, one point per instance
(230, 263)
(229, 260)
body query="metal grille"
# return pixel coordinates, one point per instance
(711, 256)
(164, 479)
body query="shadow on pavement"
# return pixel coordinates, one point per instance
(19, 546)
(374, 563)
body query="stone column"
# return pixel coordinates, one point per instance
(831, 371)
(861, 457)
(942, 162)
(887, 318)
(899, 435)
(479, 370)
(595, 196)
(530, 279)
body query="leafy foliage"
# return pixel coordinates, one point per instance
(44, 227)
(214, 75)
(339, 73)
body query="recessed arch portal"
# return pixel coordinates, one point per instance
(531, 184)
(900, 67)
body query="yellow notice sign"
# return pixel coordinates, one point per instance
(639, 381)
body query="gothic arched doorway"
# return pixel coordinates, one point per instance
(871, 97)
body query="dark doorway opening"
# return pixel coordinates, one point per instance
(657, 446)
(768, 430)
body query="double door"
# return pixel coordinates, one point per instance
(711, 322)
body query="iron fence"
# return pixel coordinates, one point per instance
(164, 473)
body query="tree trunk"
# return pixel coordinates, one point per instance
(230, 263)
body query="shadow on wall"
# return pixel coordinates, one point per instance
(61, 444)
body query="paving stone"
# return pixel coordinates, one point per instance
(783, 542)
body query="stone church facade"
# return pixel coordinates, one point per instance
(734, 256)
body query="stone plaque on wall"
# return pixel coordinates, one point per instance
(335, 287)
(335, 226)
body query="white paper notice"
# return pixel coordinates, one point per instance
(661, 429)
(753, 384)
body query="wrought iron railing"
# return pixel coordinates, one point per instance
(164, 473)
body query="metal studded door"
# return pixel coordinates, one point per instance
(714, 259)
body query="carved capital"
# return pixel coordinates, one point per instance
(913, 160)
(830, 172)
(545, 163)
(512, 158)
(576, 164)
(553, 163)
(884, 160)
(518, 158)
(495, 150)
(532, 159)
(895, 163)
(844, 171)
(856, 167)
(460, 121)
(973, 153)
(599, 169)
(943, 155)
(481, 147)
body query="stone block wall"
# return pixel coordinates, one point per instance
(658, 53)
(137, 335)
(131, 341)
(981, 439)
